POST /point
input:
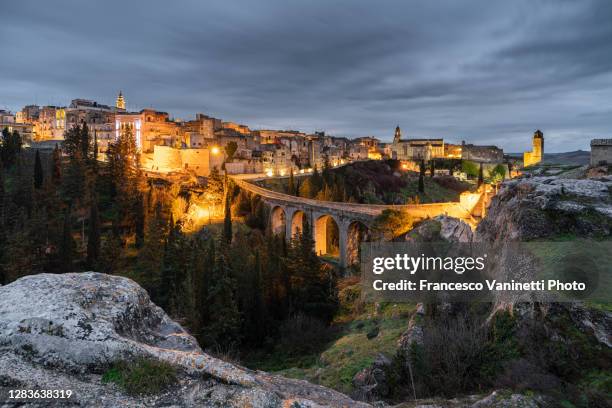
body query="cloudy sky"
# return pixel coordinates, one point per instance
(483, 71)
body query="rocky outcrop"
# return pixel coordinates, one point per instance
(540, 207)
(441, 227)
(64, 331)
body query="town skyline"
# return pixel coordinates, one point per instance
(351, 69)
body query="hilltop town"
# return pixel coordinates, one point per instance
(200, 144)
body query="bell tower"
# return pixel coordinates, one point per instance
(398, 135)
(120, 104)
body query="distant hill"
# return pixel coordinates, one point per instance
(578, 157)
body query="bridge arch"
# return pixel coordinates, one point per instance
(297, 222)
(277, 220)
(327, 236)
(357, 232)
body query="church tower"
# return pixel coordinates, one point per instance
(120, 104)
(398, 135)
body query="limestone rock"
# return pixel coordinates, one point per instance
(539, 207)
(371, 383)
(441, 227)
(64, 331)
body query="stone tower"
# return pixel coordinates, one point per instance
(537, 154)
(120, 104)
(398, 135)
(538, 144)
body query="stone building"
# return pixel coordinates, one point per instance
(416, 149)
(601, 152)
(151, 128)
(200, 132)
(29, 114)
(51, 123)
(8, 121)
(536, 154)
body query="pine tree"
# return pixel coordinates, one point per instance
(10, 147)
(93, 235)
(38, 172)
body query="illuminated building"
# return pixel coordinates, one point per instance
(535, 156)
(416, 149)
(150, 127)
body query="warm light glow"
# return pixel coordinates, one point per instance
(269, 173)
(215, 150)
(282, 172)
(405, 166)
(301, 171)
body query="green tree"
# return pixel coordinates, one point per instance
(480, 176)
(223, 329)
(230, 151)
(10, 147)
(38, 172)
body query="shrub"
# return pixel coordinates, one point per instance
(302, 334)
(449, 360)
(143, 376)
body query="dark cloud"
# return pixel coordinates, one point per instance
(477, 70)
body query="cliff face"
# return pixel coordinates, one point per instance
(64, 331)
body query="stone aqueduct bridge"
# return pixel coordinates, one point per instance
(353, 220)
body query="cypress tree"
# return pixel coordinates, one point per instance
(140, 220)
(422, 176)
(432, 167)
(93, 234)
(67, 243)
(480, 176)
(227, 220)
(291, 186)
(56, 163)
(38, 172)
(85, 141)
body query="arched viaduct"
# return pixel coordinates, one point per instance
(353, 221)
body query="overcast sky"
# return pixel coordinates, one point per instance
(483, 71)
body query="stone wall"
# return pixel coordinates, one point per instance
(196, 160)
(601, 152)
(166, 158)
(482, 154)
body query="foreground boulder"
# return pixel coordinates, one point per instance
(64, 331)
